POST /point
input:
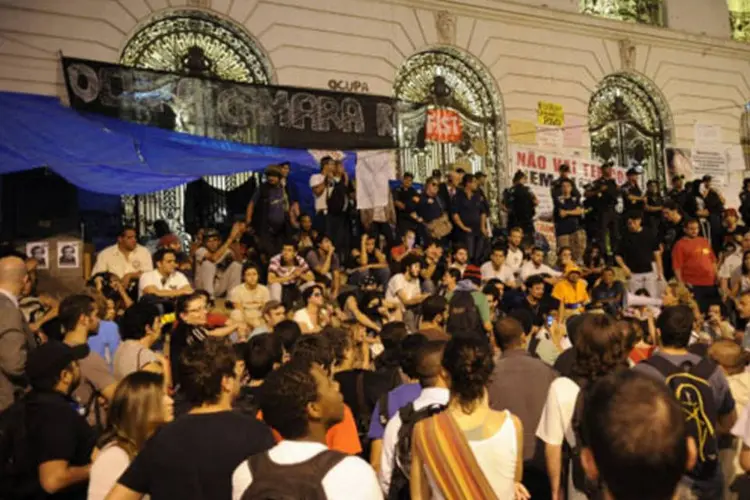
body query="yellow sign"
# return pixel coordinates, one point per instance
(550, 113)
(522, 132)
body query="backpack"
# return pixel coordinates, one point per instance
(400, 487)
(690, 385)
(301, 481)
(18, 472)
(337, 199)
(573, 465)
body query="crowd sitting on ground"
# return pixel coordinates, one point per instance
(436, 357)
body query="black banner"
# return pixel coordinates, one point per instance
(288, 117)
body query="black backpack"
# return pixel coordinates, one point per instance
(689, 383)
(572, 454)
(400, 486)
(18, 471)
(337, 199)
(301, 481)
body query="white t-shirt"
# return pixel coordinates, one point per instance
(173, 282)
(106, 470)
(112, 260)
(321, 202)
(505, 274)
(351, 478)
(730, 265)
(250, 302)
(302, 317)
(529, 269)
(399, 283)
(555, 424)
(514, 259)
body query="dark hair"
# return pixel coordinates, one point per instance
(499, 248)
(392, 334)
(524, 317)
(468, 360)
(203, 366)
(453, 273)
(161, 253)
(124, 229)
(72, 308)
(310, 290)
(459, 246)
(520, 174)
(432, 306)
(408, 174)
(634, 215)
(314, 349)
(635, 428)
(676, 325)
(466, 179)
(532, 281)
(632, 332)
(745, 269)
(508, 332)
(288, 332)
(185, 300)
(671, 205)
(340, 340)
(428, 361)
(490, 290)
(409, 260)
(262, 353)
(599, 347)
(408, 353)
(135, 320)
(249, 265)
(325, 161)
(463, 316)
(566, 181)
(691, 221)
(285, 395)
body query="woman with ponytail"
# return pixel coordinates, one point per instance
(139, 407)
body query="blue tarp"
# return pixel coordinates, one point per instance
(110, 156)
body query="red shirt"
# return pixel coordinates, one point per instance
(695, 260)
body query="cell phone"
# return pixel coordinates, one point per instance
(550, 320)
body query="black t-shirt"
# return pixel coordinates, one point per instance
(569, 224)
(58, 432)
(607, 193)
(632, 190)
(430, 208)
(535, 310)
(194, 456)
(406, 196)
(637, 250)
(522, 209)
(374, 385)
(470, 210)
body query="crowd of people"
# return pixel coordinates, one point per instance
(415, 350)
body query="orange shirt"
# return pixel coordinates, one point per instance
(341, 437)
(696, 261)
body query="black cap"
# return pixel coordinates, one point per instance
(49, 359)
(633, 171)
(564, 168)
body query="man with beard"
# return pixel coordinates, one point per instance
(58, 438)
(405, 288)
(79, 320)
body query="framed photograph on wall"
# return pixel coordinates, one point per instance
(68, 255)
(39, 250)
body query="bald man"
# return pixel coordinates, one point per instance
(16, 338)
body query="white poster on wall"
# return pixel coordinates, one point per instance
(706, 135)
(711, 162)
(542, 168)
(551, 138)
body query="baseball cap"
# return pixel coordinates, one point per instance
(572, 268)
(49, 359)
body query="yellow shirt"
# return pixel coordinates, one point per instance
(573, 296)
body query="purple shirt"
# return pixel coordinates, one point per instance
(397, 399)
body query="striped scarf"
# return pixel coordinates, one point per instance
(445, 452)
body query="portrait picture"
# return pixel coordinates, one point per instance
(39, 250)
(67, 254)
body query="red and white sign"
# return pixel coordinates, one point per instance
(443, 125)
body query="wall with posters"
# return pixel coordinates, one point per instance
(536, 51)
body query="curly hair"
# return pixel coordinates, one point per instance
(203, 366)
(340, 340)
(600, 347)
(468, 360)
(314, 349)
(284, 398)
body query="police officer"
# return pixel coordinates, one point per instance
(605, 194)
(556, 188)
(652, 216)
(521, 205)
(632, 195)
(405, 199)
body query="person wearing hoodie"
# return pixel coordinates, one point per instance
(732, 359)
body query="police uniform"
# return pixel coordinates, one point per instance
(521, 209)
(408, 197)
(603, 196)
(679, 196)
(630, 189)
(569, 230)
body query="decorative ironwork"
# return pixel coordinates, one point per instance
(739, 22)
(445, 77)
(629, 123)
(195, 43)
(634, 11)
